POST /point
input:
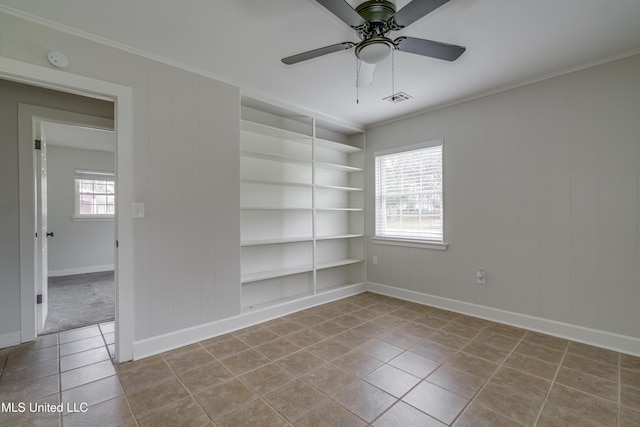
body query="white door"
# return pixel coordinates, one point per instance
(42, 273)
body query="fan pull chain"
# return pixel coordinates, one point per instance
(357, 80)
(393, 74)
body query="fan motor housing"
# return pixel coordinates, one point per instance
(376, 11)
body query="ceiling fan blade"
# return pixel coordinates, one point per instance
(416, 10)
(290, 60)
(365, 74)
(439, 50)
(344, 11)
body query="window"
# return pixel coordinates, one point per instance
(409, 202)
(95, 194)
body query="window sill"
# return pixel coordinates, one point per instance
(91, 218)
(409, 243)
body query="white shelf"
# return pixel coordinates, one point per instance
(275, 241)
(273, 208)
(272, 274)
(339, 209)
(338, 167)
(337, 263)
(337, 146)
(301, 202)
(278, 183)
(265, 130)
(275, 157)
(339, 236)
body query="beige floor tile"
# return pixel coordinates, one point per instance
(112, 413)
(285, 328)
(253, 414)
(328, 349)
(456, 381)
(329, 415)
(278, 349)
(365, 400)
(462, 330)
(402, 414)
(485, 351)
(295, 399)
(522, 383)
(157, 395)
(220, 399)
(300, 362)
(86, 374)
(258, 337)
(591, 367)
(414, 364)
(448, 340)
(81, 345)
(478, 416)
(588, 383)
(472, 365)
(630, 362)
(531, 366)
(84, 358)
(594, 353)
(436, 402)
(95, 392)
(30, 372)
(184, 413)
(553, 416)
(182, 362)
(380, 350)
(329, 379)
(225, 347)
(432, 351)
(246, 361)
(629, 418)
(79, 334)
(630, 378)
(30, 418)
(583, 405)
(630, 397)
(539, 352)
(305, 338)
(267, 378)
(549, 341)
(520, 407)
(357, 363)
(206, 376)
(392, 380)
(19, 359)
(496, 340)
(134, 375)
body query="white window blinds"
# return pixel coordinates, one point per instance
(95, 193)
(409, 200)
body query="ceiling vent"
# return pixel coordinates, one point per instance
(397, 97)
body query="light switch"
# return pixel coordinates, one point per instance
(137, 210)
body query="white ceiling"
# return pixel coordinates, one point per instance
(242, 41)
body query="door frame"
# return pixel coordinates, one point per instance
(30, 119)
(122, 97)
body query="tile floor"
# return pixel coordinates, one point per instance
(364, 360)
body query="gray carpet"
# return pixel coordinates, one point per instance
(80, 300)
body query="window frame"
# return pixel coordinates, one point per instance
(95, 175)
(410, 241)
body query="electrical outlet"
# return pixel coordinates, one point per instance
(481, 277)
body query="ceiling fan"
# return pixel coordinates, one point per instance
(373, 20)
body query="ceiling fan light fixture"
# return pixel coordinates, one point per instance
(375, 50)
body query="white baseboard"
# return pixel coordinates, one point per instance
(156, 345)
(609, 340)
(80, 270)
(9, 339)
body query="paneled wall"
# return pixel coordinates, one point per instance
(541, 192)
(186, 171)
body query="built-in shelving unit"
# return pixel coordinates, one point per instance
(302, 200)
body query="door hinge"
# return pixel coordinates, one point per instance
(39, 299)
(117, 244)
(38, 144)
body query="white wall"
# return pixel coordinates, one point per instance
(77, 246)
(186, 171)
(541, 191)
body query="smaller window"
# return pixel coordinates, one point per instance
(409, 199)
(95, 194)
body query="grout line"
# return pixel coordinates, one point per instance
(553, 382)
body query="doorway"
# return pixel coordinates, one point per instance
(78, 287)
(121, 97)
